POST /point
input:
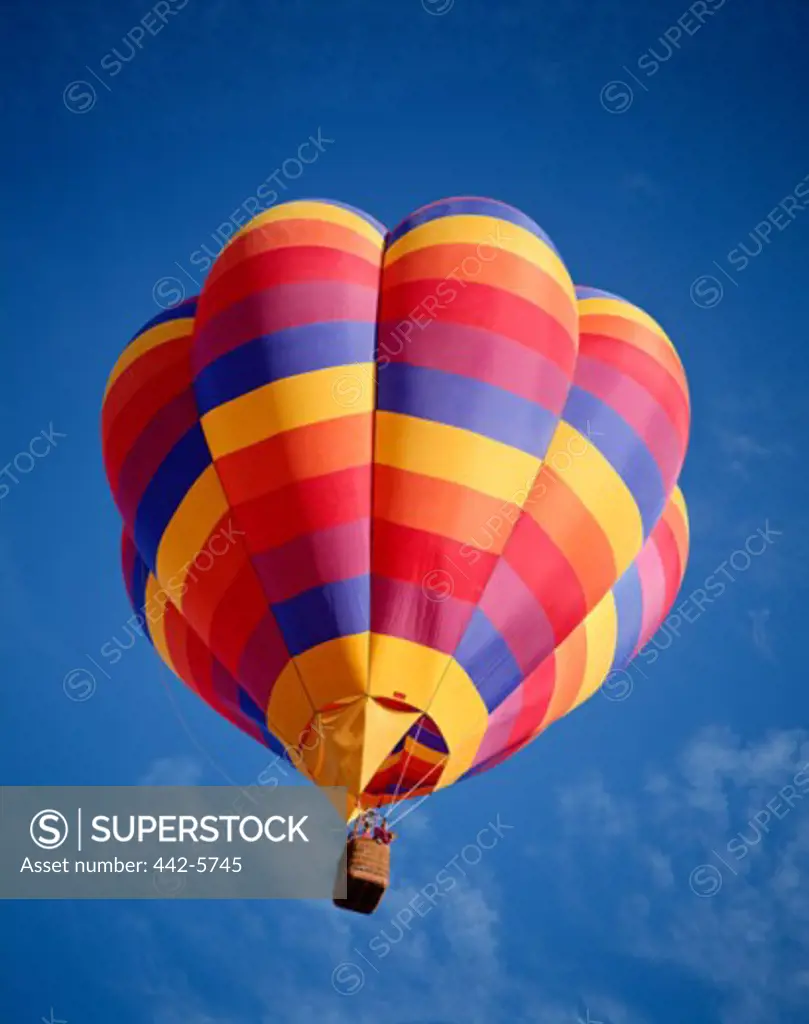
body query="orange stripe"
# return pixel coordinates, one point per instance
(235, 618)
(121, 433)
(635, 334)
(151, 367)
(177, 642)
(571, 658)
(294, 232)
(674, 519)
(295, 455)
(304, 507)
(575, 531)
(443, 508)
(204, 591)
(506, 270)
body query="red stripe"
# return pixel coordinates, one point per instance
(670, 558)
(149, 450)
(286, 305)
(315, 559)
(549, 576)
(429, 560)
(201, 592)
(479, 355)
(302, 508)
(131, 421)
(283, 266)
(175, 632)
(647, 371)
(200, 664)
(481, 305)
(264, 656)
(537, 691)
(241, 608)
(146, 369)
(633, 403)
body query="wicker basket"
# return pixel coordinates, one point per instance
(366, 868)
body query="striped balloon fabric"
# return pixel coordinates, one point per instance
(394, 502)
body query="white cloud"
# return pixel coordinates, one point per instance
(173, 771)
(723, 808)
(761, 640)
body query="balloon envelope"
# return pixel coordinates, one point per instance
(394, 502)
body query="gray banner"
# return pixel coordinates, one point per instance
(176, 842)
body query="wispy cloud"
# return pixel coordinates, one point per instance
(173, 771)
(761, 640)
(742, 809)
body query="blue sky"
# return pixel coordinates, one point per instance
(636, 884)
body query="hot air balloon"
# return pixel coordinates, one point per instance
(394, 502)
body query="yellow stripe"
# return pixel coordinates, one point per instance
(449, 453)
(332, 671)
(404, 667)
(336, 669)
(157, 622)
(308, 210)
(424, 753)
(487, 232)
(189, 530)
(677, 498)
(289, 710)
(172, 330)
(601, 626)
(600, 489)
(460, 713)
(285, 405)
(614, 307)
(566, 663)
(437, 684)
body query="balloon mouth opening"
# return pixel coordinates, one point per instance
(395, 704)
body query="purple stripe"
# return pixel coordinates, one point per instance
(401, 609)
(517, 615)
(325, 556)
(424, 738)
(378, 225)
(278, 308)
(479, 354)
(262, 660)
(184, 310)
(639, 408)
(224, 685)
(623, 448)
(465, 206)
(583, 292)
(501, 722)
(151, 448)
(468, 404)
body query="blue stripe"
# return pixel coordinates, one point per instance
(623, 448)
(187, 308)
(284, 353)
(183, 465)
(469, 205)
(596, 293)
(251, 710)
(136, 588)
(426, 738)
(466, 403)
(629, 609)
(487, 660)
(324, 613)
